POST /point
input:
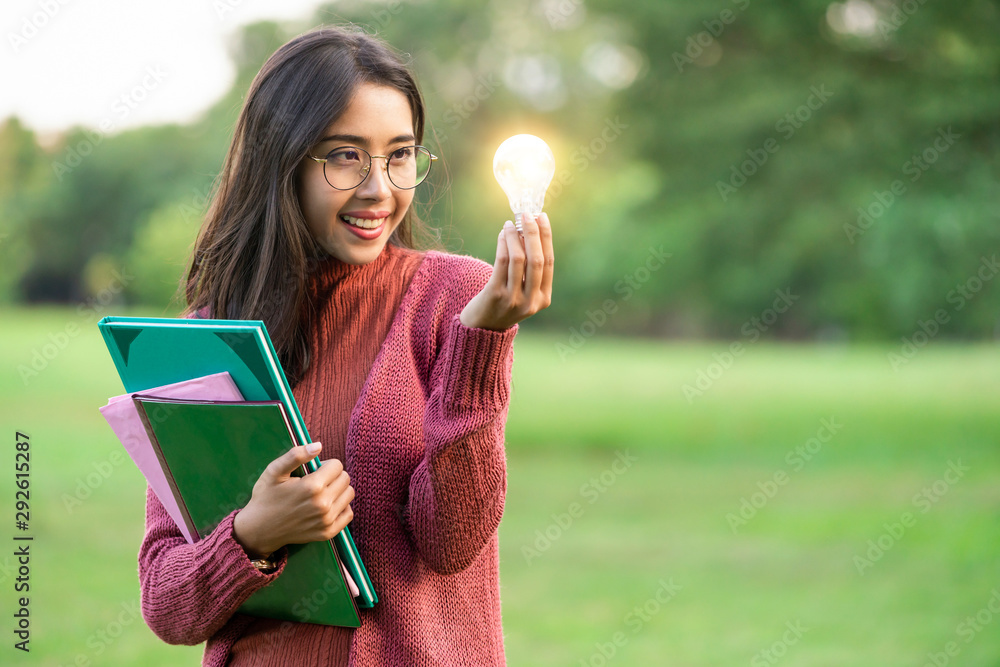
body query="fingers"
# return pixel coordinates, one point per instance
(335, 497)
(329, 482)
(339, 523)
(340, 513)
(513, 249)
(534, 259)
(326, 483)
(331, 476)
(282, 467)
(327, 493)
(530, 260)
(501, 265)
(545, 233)
(296, 510)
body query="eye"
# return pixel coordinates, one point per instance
(343, 157)
(403, 154)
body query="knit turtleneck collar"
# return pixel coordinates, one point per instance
(330, 270)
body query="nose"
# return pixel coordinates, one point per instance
(376, 185)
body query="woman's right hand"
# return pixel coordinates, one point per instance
(294, 510)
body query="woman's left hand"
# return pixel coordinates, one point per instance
(521, 284)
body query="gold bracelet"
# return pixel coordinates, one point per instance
(265, 565)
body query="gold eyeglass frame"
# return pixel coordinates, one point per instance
(367, 170)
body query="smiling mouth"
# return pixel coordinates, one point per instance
(362, 222)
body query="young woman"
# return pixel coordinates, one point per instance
(399, 359)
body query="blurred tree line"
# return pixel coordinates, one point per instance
(712, 158)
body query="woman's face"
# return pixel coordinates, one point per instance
(378, 119)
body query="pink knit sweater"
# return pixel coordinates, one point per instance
(424, 448)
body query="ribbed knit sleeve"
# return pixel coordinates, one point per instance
(457, 491)
(189, 591)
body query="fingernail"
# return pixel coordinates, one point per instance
(314, 447)
(508, 224)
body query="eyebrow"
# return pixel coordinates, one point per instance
(355, 139)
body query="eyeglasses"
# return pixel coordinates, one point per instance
(347, 167)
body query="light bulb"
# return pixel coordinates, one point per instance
(524, 167)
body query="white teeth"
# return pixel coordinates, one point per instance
(362, 222)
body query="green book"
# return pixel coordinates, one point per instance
(213, 452)
(154, 351)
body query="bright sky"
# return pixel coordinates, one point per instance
(121, 62)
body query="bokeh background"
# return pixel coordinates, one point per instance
(759, 423)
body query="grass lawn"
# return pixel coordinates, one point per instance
(811, 506)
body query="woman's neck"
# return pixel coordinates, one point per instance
(328, 270)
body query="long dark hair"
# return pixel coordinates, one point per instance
(254, 252)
